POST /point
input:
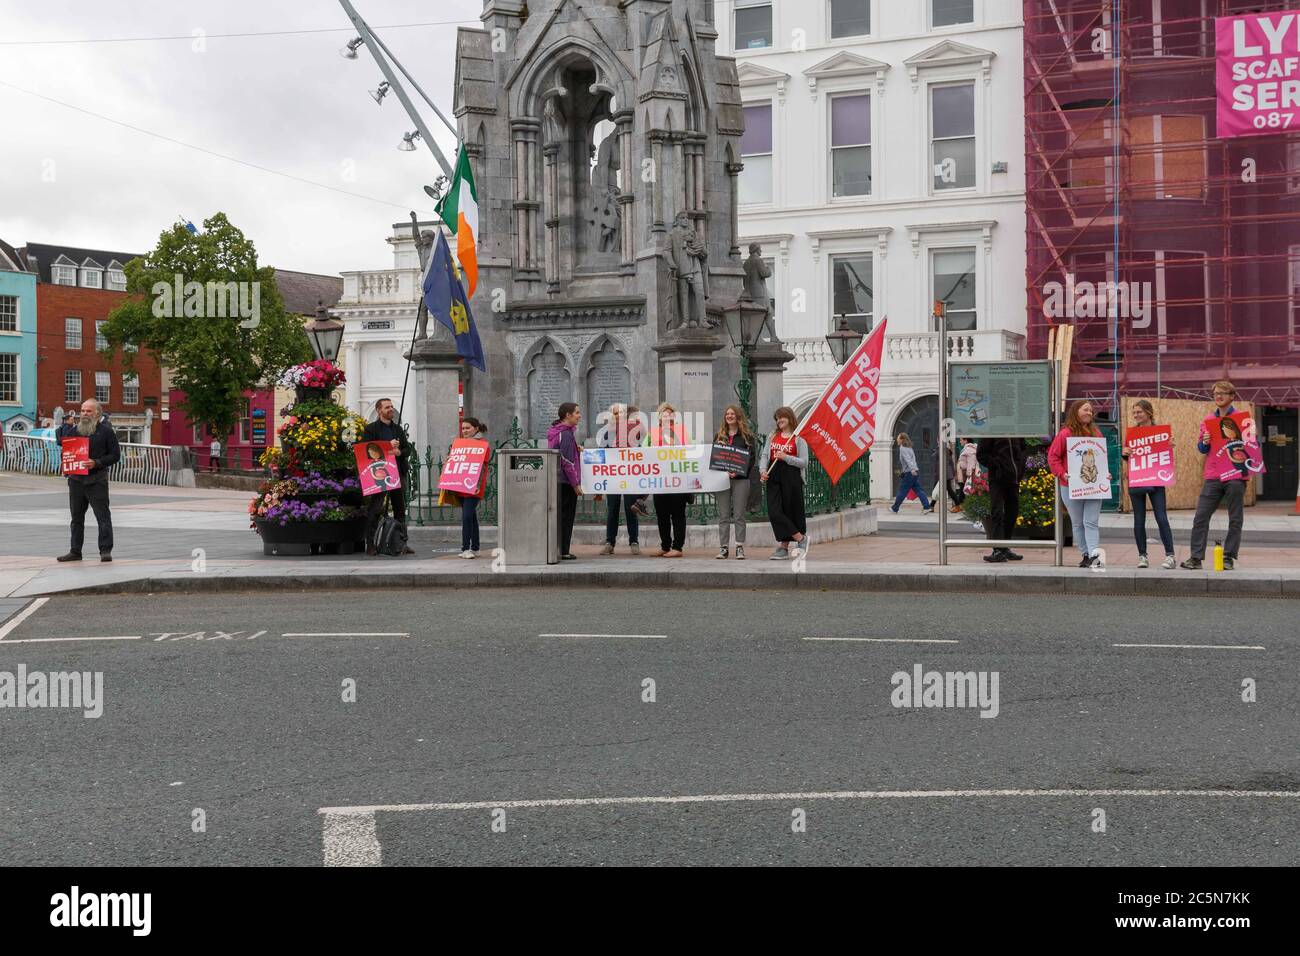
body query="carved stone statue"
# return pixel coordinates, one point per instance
(552, 121)
(603, 212)
(423, 246)
(757, 272)
(689, 268)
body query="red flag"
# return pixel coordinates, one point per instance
(842, 425)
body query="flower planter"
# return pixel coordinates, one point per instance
(304, 394)
(299, 538)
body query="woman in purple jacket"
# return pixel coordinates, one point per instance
(561, 436)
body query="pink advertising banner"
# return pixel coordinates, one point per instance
(1257, 76)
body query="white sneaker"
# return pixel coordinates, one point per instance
(468, 554)
(1098, 563)
(1143, 562)
(1169, 563)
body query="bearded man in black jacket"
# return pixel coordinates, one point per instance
(387, 428)
(1004, 458)
(91, 489)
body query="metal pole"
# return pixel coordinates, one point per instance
(1056, 485)
(944, 418)
(432, 105)
(374, 47)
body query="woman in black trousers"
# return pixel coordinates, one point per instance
(670, 509)
(787, 460)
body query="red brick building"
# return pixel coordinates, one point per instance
(75, 292)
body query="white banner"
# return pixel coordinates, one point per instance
(650, 470)
(1089, 470)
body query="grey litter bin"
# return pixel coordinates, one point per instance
(528, 518)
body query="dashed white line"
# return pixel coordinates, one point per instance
(884, 640)
(649, 637)
(59, 640)
(348, 634)
(1202, 647)
(23, 615)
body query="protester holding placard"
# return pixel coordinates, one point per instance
(386, 428)
(560, 436)
(787, 460)
(88, 479)
(618, 433)
(1232, 454)
(735, 433)
(471, 429)
(670, 510)
(1149, 454)
(1085, 512)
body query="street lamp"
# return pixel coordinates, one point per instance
(744, 323)
(843, 342)
(325, 334)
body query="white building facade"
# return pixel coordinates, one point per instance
(884, 172)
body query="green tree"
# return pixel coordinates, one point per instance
(227, 330)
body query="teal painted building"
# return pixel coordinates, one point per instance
(17, 343)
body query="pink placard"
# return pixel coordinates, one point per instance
(465, 470)
(1150, 456)
(1257, 73)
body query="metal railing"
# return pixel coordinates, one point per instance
(139, 464)
(820, 496)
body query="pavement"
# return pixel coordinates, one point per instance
(539, 726)
(195, 540)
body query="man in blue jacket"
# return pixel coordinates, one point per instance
(91, 489)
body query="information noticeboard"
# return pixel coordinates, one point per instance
(1000, 399)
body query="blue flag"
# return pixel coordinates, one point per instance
(445, 298)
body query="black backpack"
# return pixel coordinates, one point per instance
(389, 536)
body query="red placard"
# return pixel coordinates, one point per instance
(465, 471)
(1150, 456)
(1234, 447)
(76, 456)
(377, 467)
(842, 425)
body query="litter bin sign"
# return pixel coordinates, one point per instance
(527, 509)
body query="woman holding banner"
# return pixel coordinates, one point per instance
(469, 540)
(734, 501)
(1085, 513)
(787, 461)
(616, 433)
(1144, 417)
(670, 510)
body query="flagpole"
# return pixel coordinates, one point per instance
(373, 45)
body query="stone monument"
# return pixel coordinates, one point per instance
(605, 141)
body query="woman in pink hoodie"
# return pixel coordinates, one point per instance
(561, 437)
(1085, 513)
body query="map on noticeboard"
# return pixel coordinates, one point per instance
(1000, 399)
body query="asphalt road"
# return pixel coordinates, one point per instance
(475, 705)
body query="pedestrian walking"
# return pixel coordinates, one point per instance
(670, 509)
(1217, 488)
(1085, 513)
(616, 433)
(1143, 417)
(733, 501)
(1004, 460)
(469, 537)
(214, 455)
(910, 479)
(783, 474)
(91, 489)
(560, 436)
(966, 469)
(387, 428)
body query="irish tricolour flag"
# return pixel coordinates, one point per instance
(459, 210)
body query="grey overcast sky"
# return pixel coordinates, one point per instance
(289, 103)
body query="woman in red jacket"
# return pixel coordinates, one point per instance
(1085, 513)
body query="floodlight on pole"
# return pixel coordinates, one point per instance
(379, 94)
(349, 52)
(407, 145)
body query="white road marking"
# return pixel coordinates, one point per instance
(60, 640)
(23, 615)
(884, 640)
(649, 637)
(1202, 647)
(349, 634)
(350, 838)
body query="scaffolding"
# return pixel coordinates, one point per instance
(1174, 254)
